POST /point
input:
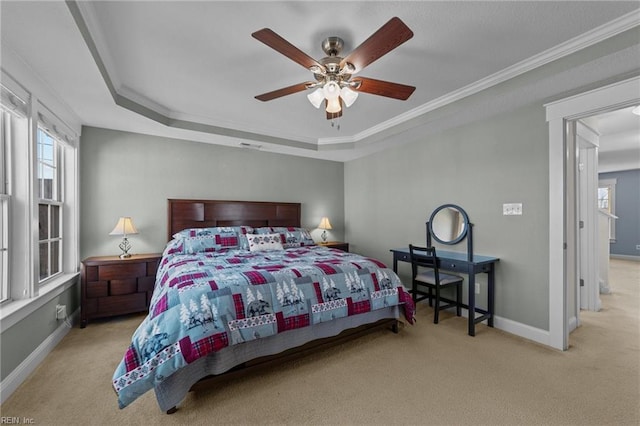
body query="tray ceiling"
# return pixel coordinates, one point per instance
(191, 69)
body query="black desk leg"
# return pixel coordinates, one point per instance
(472, 301)
(491, 293)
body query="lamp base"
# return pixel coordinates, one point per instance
(324, 236)
(125, 247)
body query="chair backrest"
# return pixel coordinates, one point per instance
(423, 257)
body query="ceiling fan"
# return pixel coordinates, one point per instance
(335, 83)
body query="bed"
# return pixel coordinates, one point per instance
(241, 285)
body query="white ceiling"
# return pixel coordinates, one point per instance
(191, 69)
(619, 139)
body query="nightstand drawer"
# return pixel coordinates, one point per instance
(120, 287)
(146, 283)
(97, 289)
(152, 268)
(123, 304)
(122, 271)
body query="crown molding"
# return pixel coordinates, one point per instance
(596, 35)
(85, 19)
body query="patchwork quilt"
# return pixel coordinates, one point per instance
(206, 301)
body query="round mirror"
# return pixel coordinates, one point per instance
(448, 224)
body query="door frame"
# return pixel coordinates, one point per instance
(611, 97)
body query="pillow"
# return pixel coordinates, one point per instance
(197, 232)
(173, 247)
(260, 242)
(290, 236)
(226, 236)
(203, 244)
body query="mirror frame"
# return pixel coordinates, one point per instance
(462, 235)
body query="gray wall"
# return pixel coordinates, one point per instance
(130, 174)
(627, 208)
(20, 340)
(390, 195)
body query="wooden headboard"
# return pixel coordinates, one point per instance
(183, 214)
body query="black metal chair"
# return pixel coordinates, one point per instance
(433, 279)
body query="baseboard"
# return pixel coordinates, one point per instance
(521, 330)
(625, 257)
(26, 367)
(573, 323)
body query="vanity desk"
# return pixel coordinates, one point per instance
(460, 263)
(449, 225)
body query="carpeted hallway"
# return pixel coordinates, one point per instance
(426, 374)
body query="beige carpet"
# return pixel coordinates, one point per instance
(426, 374)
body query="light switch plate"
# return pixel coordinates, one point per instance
(512, 209)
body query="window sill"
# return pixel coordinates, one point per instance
(17, 310)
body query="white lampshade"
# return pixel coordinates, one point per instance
(316, 97)
(125, 227)
(348, 96)
(636, 110)
(324, 223)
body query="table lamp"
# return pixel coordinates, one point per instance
(324, 224)
(124, 227)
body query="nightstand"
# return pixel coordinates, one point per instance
(112, 286)
(336, 244)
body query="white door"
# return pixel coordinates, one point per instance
(588, 286)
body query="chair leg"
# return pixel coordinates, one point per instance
(459, 300)
(430, 297)
(414, 289)
(436, 308)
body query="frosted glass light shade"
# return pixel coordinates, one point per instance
(316, 97)
(333, 105)
(348, 96)
(331, 90)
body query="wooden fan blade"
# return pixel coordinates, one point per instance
(276, 42)
(384, 88)
(282, 92)
(388, 37)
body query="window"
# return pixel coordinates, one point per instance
(49, 206)
(5, 135)
(38, 200)
(607, 201)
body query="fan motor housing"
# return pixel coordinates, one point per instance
(332, 46)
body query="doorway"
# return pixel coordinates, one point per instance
(563, 243)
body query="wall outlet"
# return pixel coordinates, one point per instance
(512, 209)
(477, 288)
(638, 247)
(61, 312)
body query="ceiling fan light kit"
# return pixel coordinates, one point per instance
(335, 84)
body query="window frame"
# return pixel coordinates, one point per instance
(6, 118)
(30, 101)
(56, 200)
(610, 186)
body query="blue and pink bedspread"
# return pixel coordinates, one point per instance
(206, 301)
